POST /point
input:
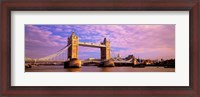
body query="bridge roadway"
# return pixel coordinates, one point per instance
(83, 61)
(45, 61)
(100, 61)
(91, 45)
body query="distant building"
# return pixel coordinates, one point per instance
(91, 59)
(118, 55)
(130, 57)
(148, 62)
(119, 58)
(135, 62)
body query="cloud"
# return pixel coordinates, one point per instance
(59, 29)
(41, 41)
(148, 41)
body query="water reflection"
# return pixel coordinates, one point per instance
(106, 69)
(73, 69)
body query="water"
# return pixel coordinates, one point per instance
(98, 69)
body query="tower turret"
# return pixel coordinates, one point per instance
(105, 51)
(73, 40)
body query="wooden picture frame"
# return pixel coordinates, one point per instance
(193, 90)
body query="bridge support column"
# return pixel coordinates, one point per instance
(107, 63)
(105, 55)
(73, 60)
(73, 40)
(105, 51)
(73, 63)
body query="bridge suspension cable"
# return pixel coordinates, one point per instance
(52, 56)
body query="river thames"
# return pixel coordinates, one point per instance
(59, 68)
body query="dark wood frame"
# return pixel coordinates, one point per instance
(99, 5)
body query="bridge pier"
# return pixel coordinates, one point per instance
(73, 63)
(107, 63)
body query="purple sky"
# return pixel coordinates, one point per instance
(143, 41)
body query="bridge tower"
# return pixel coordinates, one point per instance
(73, 49)
(105, 51)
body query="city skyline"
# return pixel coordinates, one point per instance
(143, 41)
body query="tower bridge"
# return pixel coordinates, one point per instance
(69, 54)
(73, 40)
